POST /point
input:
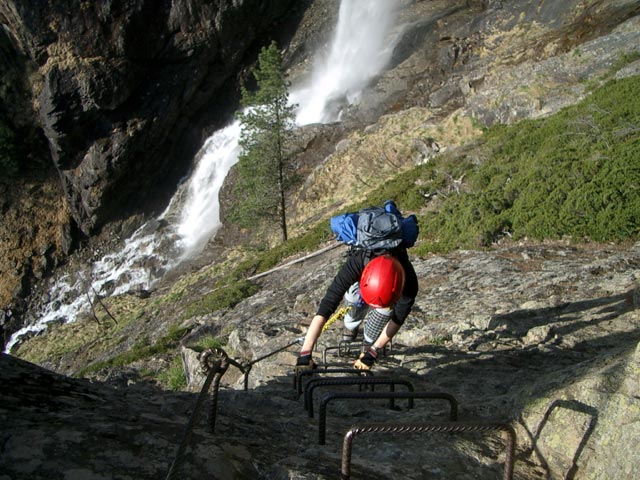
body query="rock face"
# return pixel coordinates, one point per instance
(119, 87)
(35, 238)
(134, 435)
(120, 91)
(543, 337)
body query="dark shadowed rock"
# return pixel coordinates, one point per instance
(120, 84)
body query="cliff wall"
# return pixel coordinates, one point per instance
(112, 100)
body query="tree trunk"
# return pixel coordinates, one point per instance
(283, 215)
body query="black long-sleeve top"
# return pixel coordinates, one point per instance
(350, 273)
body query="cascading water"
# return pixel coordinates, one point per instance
(200, 217)
(360, 49)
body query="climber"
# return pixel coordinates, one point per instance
(387, 283)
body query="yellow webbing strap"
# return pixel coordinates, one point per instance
(338, 315)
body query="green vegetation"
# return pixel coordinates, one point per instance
(140, 350)
(264, 169)
(575, 174)
(99, 336)
(306, 242)
(224, 296)
(208, 341)
(440, 341)
(174, 377)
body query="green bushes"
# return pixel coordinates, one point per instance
(221, 297)
(576, 173)
(174, 377)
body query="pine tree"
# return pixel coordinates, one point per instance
(267, 121)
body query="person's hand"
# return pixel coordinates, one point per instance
(365, 361)
(304, 363)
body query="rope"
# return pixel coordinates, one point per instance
(338, 315)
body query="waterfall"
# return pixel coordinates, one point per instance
(200, 217)
(360, 49)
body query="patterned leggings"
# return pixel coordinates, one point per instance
(375, 319)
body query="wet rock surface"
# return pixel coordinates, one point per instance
(541, 336)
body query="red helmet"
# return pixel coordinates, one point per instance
(382, 281)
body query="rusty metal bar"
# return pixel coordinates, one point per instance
(297, 379)
(322, 417)
(449, 427)
(213, 408)
(215, 363)
(339, 348)
(347, 347)
(345, 381)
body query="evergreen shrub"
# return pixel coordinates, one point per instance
(574, 174)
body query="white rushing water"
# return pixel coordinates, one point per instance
(360, 49)
(200, 217)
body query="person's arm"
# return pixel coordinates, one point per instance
(403, 307)
(366, 359)
(386, 335)
(348, 274)
(314, 331)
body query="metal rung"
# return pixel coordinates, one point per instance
(297, 379)
(327, 382)
(322, 417)
(346, 348)
(450, 427)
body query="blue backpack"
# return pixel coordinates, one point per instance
(376, 228)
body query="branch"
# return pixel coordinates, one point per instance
(104, 306)
(299, 260)
(93, 310)
(361, 180)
